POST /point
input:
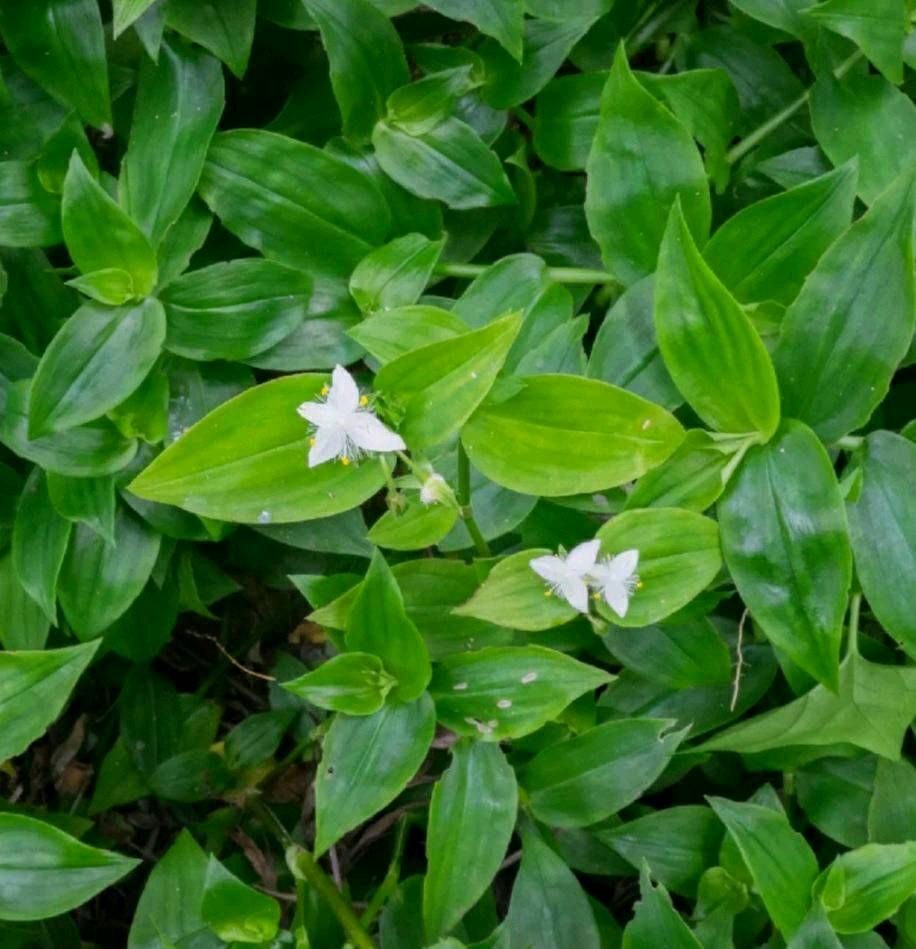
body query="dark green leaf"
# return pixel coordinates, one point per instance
(227, 31)
(29, 215)
(501, 19)
(655, 921)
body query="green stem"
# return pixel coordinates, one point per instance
(392, 877)
(304, 866)
(753, 139)
(464, 503)
(855, 604)
(573, 275)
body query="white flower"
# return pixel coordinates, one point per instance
(617, 580)
(565, 576)
(344, 427)
(435, 490)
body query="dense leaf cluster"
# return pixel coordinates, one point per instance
(457, 474)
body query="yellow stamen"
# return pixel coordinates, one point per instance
(345, 461)
(548, 593)
(364, 400)
(639, 584)
(312, 441)
(596, 596)
(325, 390)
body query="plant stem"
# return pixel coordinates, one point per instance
(753, 139)
(305, 866)
(392, 877)
(575, 275)
(855, 604)
(464, 503)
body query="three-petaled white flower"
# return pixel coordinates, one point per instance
(617, 580)
(344, 427)
(566, 576)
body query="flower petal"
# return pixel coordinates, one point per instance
(623, 566)
(582, 558)
(318, 413)
(344, 394)
(575, 592)
(550, 568)
(330, 442)
(370, 434)
(616, 596)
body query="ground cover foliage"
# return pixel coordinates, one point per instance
(456, 474)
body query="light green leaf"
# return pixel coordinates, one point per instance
(236, 912)
(779, 859)
(394, 275)
(834, 361)
(367, 762)
(179, 102)
(440, 385)
(354, 683)
(34, 687)
(712, 351)
(641, 160)
(596, 774)
(471, 689)
(414, 528)
(471, 818)
(246, 461)
(99, 357)
(99, 235)
(378, 624)
(568, 435)
(389, 334)
(45, 872)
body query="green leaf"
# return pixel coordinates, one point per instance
(674, 655)
(227, 31)
(422, 105)
(179, 102)
(596, 774)
(566, 119)
(99, 581)
(235, 911)
(449, 163)
(394, 275)
(710, 347)
(537, 683)
(379, 624)
(501, 19)
(642, 159)
(545, 46)
(235, 309)
(112, 285)
(678, 558)
(354, 683)
(160, 918)
(865, 117)
(246, 461)
(414, 528)
(440, 385)
(87, 451)
(873, 709)
(367, 762)
(834, 361)
(127, 12)
(366, 60)
(892, 809)
(60, 44)
(785, 543)
(779, 859)
(313, 211)
(45, 872)
(513, 595)
(99, 357)
(90, 501)
(151, 715)
(766, 250)
(23, 623)
(256, 738)
(29, 215)
(34, 687)
(568, 435)
(471, 818)
(655, 921)
(882, 526)
(864, 887)
(99, 235)
(877, 27)
(625, 351)
(40, 537)
(678, 842)
(548, 908)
